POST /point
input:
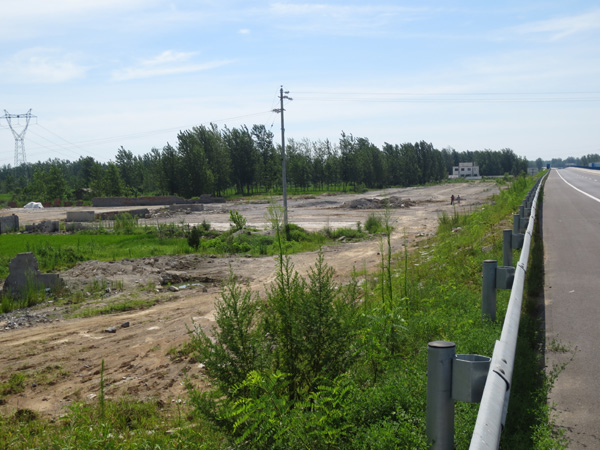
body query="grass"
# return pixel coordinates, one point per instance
(62, 251)
(115, 307)
(59, 252)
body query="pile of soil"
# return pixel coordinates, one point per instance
(157, 270)
(379, 203)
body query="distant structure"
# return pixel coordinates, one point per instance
(19, 137)
(465, 170)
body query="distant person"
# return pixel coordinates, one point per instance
(458, 199)
(452, 200)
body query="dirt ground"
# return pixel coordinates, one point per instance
(62, 357)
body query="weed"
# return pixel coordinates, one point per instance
(125, 223)
(14, 385)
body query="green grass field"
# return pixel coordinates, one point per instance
(61, 251)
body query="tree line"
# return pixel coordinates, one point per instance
(571, 160)
(209, 160)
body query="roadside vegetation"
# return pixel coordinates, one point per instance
(314, 365)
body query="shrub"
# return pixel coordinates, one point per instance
(374, 223)
(348, 233)
(194, 237)
(238, 222)
(205, 226)
(236, 347)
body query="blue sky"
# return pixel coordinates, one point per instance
(470, 75)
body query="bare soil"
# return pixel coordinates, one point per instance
(62, 357)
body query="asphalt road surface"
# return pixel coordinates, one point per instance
(571, 227)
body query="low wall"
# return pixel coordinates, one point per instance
(80, 216)
(103, 202)
(111, 215)
(178, 207)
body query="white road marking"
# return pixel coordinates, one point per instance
(577, 189)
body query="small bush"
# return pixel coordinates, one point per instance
(238, 222)
(374, 223)
(348, 233)
(194, 238)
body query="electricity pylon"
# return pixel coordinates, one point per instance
(19, 137)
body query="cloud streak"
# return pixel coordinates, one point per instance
(562, 27)
(344, 19)
(166, 63)
(42, 65)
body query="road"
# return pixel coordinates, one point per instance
(571, 225)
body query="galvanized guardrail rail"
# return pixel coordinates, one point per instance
(475, 378)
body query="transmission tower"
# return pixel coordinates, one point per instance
(19, 137)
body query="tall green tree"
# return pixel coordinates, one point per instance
(244, 157)
(169, 170)
(196, 177)
(217, 156)
(56, 185)
(269, 159)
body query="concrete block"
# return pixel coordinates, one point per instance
(187, 207)
(49, 226)
(24, 275)
(80, 216)
(9, 223)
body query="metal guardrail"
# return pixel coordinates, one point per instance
(475, 378)
(494, 402)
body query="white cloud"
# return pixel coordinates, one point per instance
(14, 9)
(42, 65)
(244, 31)
(344, 19)
(167, 63)
(562, 27)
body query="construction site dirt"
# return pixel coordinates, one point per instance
(139, 347)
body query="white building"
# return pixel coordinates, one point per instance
(467, 170)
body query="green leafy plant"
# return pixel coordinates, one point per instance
(238, 222)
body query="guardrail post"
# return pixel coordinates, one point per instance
(440, 405)
(517, 237)
(488, 291)
(507, 256)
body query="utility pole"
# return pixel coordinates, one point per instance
(283, 169)
(19, 137)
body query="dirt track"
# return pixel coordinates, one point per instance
(63, 358)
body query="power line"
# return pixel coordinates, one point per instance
(79, 147)
(472, 97)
